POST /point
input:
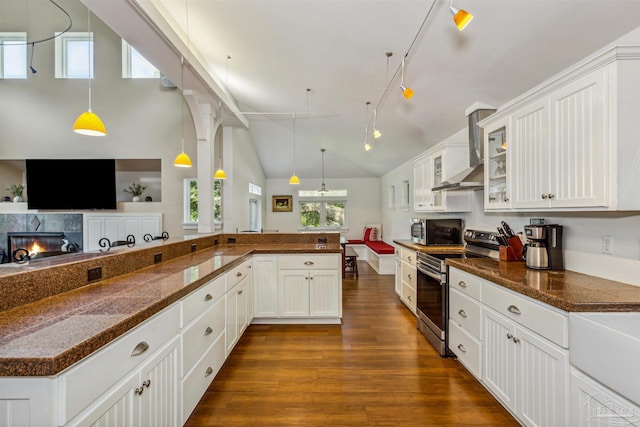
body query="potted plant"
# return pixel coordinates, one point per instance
(136, 191)
(16, 191)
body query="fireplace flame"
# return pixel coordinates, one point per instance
(35, 248)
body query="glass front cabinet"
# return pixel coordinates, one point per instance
(497, 158)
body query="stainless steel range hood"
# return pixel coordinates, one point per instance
(472, 177)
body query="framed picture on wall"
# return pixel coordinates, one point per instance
(281, 203)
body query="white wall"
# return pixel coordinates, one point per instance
(363, 203)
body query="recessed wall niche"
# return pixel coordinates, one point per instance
(145, 172)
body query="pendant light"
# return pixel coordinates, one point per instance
(367, 146)
(88, 123)
(294, 180)
(182, 160)
(323, 188)
(460, 17)
(407, 92)
(220, 173)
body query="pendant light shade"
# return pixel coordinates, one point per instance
(323, 188)
(460, 17)
(88, 123)
(294, 180)
(220, 174)
(182, 160)
(367, 146)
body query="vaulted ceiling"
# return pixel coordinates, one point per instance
(337, 48)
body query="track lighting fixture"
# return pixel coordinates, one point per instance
(460, 16)
(294, 180)
(367, 146)
(88, 123)
(376, 132)
(407, 92)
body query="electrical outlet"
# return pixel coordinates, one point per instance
(157, 258)
(194, 247)
(94, 274)
(607, 245)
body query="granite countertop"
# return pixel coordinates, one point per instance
(566, 290)
(44, 337)
(430, 249)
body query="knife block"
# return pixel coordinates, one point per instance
(513, 252)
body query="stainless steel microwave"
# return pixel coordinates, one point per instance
(436, 232)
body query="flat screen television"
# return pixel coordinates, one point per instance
(71, 183)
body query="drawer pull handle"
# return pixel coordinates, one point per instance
(208, 331)
(462, 284)
(140, 348)
(208, 297)
(238, 274)
(462, 313)
(513, 309)
(461, 348)
(240, 292)
(208, 372)
(308, 263)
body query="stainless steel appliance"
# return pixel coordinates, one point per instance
(436, 232)
(543, 250)
(432, 292)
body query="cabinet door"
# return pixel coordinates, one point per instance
(499, 357)
(241, 305)
(265, 270)
(231, 325)
(160, 384)
(293, 293)
(398, 282)
(531, 156)
(419, 202)
(579, 145)
(436, 162)
(543, 379)
(497, 148)
(324, 293)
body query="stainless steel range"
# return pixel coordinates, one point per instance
(433, 287)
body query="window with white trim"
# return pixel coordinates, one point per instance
(13, 55)
(136, 66)
(74, 55)
(323, 210)
(191, 203)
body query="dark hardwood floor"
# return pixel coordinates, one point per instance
(374, 369)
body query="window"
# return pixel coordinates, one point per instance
(318, 211)
(136, 66)
(13, 55)
(191, 203)
(74, 56)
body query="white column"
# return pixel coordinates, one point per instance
(229, 225)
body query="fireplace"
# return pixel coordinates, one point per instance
(26, 246)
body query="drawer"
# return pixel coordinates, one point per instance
(466, 312)
(310, 262)
(198, 380)
(409, 275)
(409, 296)
(203, 297)
(201, 333)
(467, 348)
(551, 323)
(409, 256)
(464, 282)
(90, 378)
(235, 275)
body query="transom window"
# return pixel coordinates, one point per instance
(13, 55)
(136, 66)
(74, 55)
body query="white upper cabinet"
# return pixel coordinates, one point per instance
(573, 140)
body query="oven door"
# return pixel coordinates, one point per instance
(431, 305)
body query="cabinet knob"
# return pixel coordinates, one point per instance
(308, 263)
(509, 336)
(410, 298)
(409, 276)
(311, 278)
(140, 348)
(462, 313)
(409, 258)
(506, 199)
(551, 196)
(513, 309)
(208, 297)
(240, 292)
(516, 340)
(208, 372)
(147, 383)
(238, 274)
(544, 196)
(208, 331)
(461, 348)
(139, 391)
(462, 284)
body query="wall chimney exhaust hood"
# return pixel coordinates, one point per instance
(471, 178)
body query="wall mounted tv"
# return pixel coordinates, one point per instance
(71, 183)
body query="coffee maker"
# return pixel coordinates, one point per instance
(543, 250)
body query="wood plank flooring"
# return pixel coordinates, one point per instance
(375, 369)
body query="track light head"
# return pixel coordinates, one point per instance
(461, 17)
(407, 92)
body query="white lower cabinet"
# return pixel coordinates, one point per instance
(265, 277)
(147, 397)
(236, 298)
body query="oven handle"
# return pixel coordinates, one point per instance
(436, 276)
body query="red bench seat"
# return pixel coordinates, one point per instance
(381, 248)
